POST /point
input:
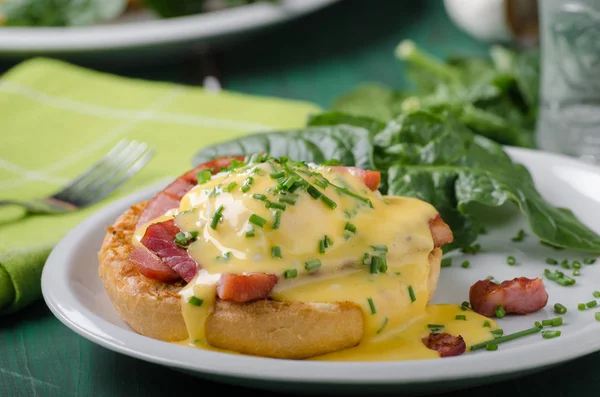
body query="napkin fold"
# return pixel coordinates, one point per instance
(57, 119)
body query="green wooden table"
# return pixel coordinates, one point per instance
(314, 58)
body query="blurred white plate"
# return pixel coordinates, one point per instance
(74, 293)
(142, 29)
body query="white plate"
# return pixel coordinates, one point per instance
(143, 30)
(73, 291)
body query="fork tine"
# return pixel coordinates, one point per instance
(107, 157)
(133, 169)
(97, 171)
(112, 169)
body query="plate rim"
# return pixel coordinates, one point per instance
(24, 40)
(128, 342)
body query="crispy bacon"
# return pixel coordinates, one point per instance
(440, 231)
(518, 296)
(151, 266)
(159, 240)
(169, 198)
(245, 288)
(445, 344)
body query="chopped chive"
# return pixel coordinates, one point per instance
(547, 323)
(195, 301)
(329, 202)
(289, 199)
(328, 241)
(230, 187)
(460, 317)
(411, 293)
(581, 306)
(378, 264)
(557, 321)
(591, 304)
(250, 233)
(347, 191)
(291, 181)
(576, 273)
(511, 261)
(446, 262)
(312, 264)
(314, 192)
(321, 246)
(565, 281)
(246, 186)
(203, 176)
(497, 333)
(350, 227)
(559, 277)
(257, 220)
(321, 183)
(589, 261)
(560, 309)
(217, 217)
(372, 306)
(500, 312)
(276, 219)
(506, 338)
(538, 324)
(520, 236)
(491, 347)
(367, 261)
(551, 261)
(576, 265)
(435, 327)
(487, 324)
(565, 264)
(550, 334)
(276, 252)
(258, 171)
(277, 175)
(277, 206)
(385, 321)
(465, 264)
(597, 316)
(465, 304)
(260, 197)
(290, 273)
(596, 294)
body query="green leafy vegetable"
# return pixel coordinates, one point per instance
(496, 98)
(434, 157)
(345, 143)
(177, 8)
(59, 13)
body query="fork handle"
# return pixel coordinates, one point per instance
(36, 206)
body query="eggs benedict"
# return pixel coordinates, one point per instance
(284, 259)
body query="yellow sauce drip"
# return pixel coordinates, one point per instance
(394, 302)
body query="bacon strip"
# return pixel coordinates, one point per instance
(159, 240)
(445, 344)
(440, 231)
(518, 296)
(151, 266)
(245, 288)
(170, 197)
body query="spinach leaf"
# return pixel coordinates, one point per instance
(59, 13)
(475, 170)
(348, 144)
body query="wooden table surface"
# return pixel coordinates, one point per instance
(314, 58)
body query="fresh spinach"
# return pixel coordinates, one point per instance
(434, 157)
(59, 12)
(496, 98)
(348, 144)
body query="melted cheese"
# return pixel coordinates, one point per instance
(356, 227)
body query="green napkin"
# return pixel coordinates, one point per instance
(58, 119)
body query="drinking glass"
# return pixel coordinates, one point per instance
(569, 114)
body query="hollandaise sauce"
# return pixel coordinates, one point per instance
(328, 238)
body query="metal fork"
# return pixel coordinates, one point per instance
(118, 165)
